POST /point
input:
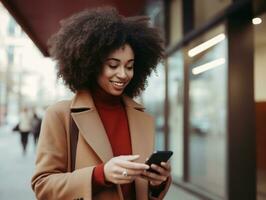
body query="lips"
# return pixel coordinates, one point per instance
(118, 84)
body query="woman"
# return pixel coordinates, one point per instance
(24, 127)
(105, 59)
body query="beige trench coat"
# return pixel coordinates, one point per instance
(52, 179)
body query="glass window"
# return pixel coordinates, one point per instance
(260, 98)
(175, 21)
(176, 111)
(208, 111)
(205, 10)
(156, 12)
(153, 98)
(260, 52)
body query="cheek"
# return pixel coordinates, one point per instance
(131, 74)
(102, 81)
(104, 76)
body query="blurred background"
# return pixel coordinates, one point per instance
(27, 79)
(208, 97)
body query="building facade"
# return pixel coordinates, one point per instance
(211, 97)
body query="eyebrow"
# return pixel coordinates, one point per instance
(118, 59)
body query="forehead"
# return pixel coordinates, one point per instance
(124, 52)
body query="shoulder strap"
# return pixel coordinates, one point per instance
(74, 133)
(73, 143)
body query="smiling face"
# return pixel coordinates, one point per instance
(117, 71)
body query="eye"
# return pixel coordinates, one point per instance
(130, 67)
(113, 66)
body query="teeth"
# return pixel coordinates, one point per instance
(118, 83)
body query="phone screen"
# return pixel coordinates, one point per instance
(158, 157)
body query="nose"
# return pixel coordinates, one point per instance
(121, 73)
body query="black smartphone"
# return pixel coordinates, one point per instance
(157, 157)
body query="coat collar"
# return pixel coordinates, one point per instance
(90, 125)
(83, 99)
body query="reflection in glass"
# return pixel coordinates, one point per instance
(260, 98)
(176, 28)
(260, 52)
(207, 116)
(153, 98)
(206, 45)
(176, 111)
(204, 10)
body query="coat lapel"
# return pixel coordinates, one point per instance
(90, 125)
(141, 128)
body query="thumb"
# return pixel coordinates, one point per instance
(130, 157)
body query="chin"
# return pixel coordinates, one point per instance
(116, 93)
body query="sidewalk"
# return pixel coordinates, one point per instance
(15, 169)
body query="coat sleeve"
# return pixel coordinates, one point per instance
(51, 180)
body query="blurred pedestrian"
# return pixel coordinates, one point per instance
(24, 127)
(36, 127)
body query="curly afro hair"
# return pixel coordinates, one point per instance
(86, 39)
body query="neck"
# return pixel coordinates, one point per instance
(101, 97)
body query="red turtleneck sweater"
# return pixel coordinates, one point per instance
(114, 119)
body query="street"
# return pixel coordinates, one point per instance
(15, 169)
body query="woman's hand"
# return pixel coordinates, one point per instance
(122, 169)
(157, 179)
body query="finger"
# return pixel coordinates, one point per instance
(151, 180)
(162, 171)
(165, 165)
(121, 177)
(154, 176)
(118, 177)
(129, 157)
(129, 178)
(119, 173)
(130, 172)
(132, 165)
(155, 183)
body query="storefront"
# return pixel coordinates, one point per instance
(211, 83)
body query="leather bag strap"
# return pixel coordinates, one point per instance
(73, 143)
(74, 134)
